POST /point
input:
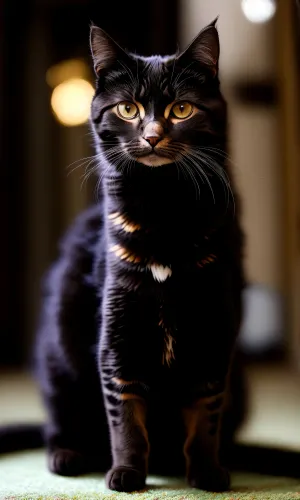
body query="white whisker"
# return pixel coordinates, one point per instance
(197, 166)
(218, 170)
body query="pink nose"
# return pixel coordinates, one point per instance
(153, 140)
(153, 133)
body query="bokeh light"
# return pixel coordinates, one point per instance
(71, 101)
(259, 11)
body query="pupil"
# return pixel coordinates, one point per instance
(127, 108)
(181, 108)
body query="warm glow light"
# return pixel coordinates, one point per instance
(259, 11)
(67, 69)
(71, 101)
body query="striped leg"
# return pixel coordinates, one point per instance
(201, 448)
(126, 411)
(125, 365)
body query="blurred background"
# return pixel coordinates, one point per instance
(46, 85)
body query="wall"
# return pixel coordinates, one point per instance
(248, 53)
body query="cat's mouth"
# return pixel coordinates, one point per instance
(156, 156)
(154, 159)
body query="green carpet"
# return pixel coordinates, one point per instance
(24, 476)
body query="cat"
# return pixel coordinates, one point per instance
(141, 311)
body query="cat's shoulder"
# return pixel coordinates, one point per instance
(76, 251)
(84, 231)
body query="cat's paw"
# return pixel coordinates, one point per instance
(125, 479)
(66, 462)
(214, 479)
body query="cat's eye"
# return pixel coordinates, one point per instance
(182, 110)
(127, 110)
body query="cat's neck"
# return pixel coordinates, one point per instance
(161, 211)
(155, 199)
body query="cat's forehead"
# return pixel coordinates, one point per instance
(149, 80)
(154, 71)
(154, 76)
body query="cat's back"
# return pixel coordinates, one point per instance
(69, 289)
(84, 233)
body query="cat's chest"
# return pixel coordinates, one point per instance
(184, 308)
(157, 268)
(171, 273)
(162, 251)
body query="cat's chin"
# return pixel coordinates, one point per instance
(154, 160)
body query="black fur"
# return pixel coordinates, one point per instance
(142, 309)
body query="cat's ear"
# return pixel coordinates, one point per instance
(205, 48)
(105, 51)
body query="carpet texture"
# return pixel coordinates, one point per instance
(23, 476)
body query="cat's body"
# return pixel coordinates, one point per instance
(142, 308)
(168, 375)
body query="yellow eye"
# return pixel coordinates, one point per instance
(182, 110)
(127, 110)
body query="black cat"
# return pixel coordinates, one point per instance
(142, 309)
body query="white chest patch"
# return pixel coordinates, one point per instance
(160, 273)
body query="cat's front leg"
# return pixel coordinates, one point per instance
(129, 446)
(123, 368)
(202, 420)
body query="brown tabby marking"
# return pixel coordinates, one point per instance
(127, 396)
(120, 381)
(160, 273)
(207, 260)
(190, 417)
(202, 422)
(168, 354)
(124, 254)
(139, 416)
(119, 220)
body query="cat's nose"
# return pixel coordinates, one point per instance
(153, 133)
(153, 140)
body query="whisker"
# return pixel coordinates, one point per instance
(192, 176)
(196, 183)
(84, 161)
(181, 166)
(197, 166)
(177, 167)
(220, 172)
(213, 149)
(88, 175)
(98, 184)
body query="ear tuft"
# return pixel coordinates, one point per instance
(214, 22)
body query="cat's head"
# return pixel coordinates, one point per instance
(158, 110)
